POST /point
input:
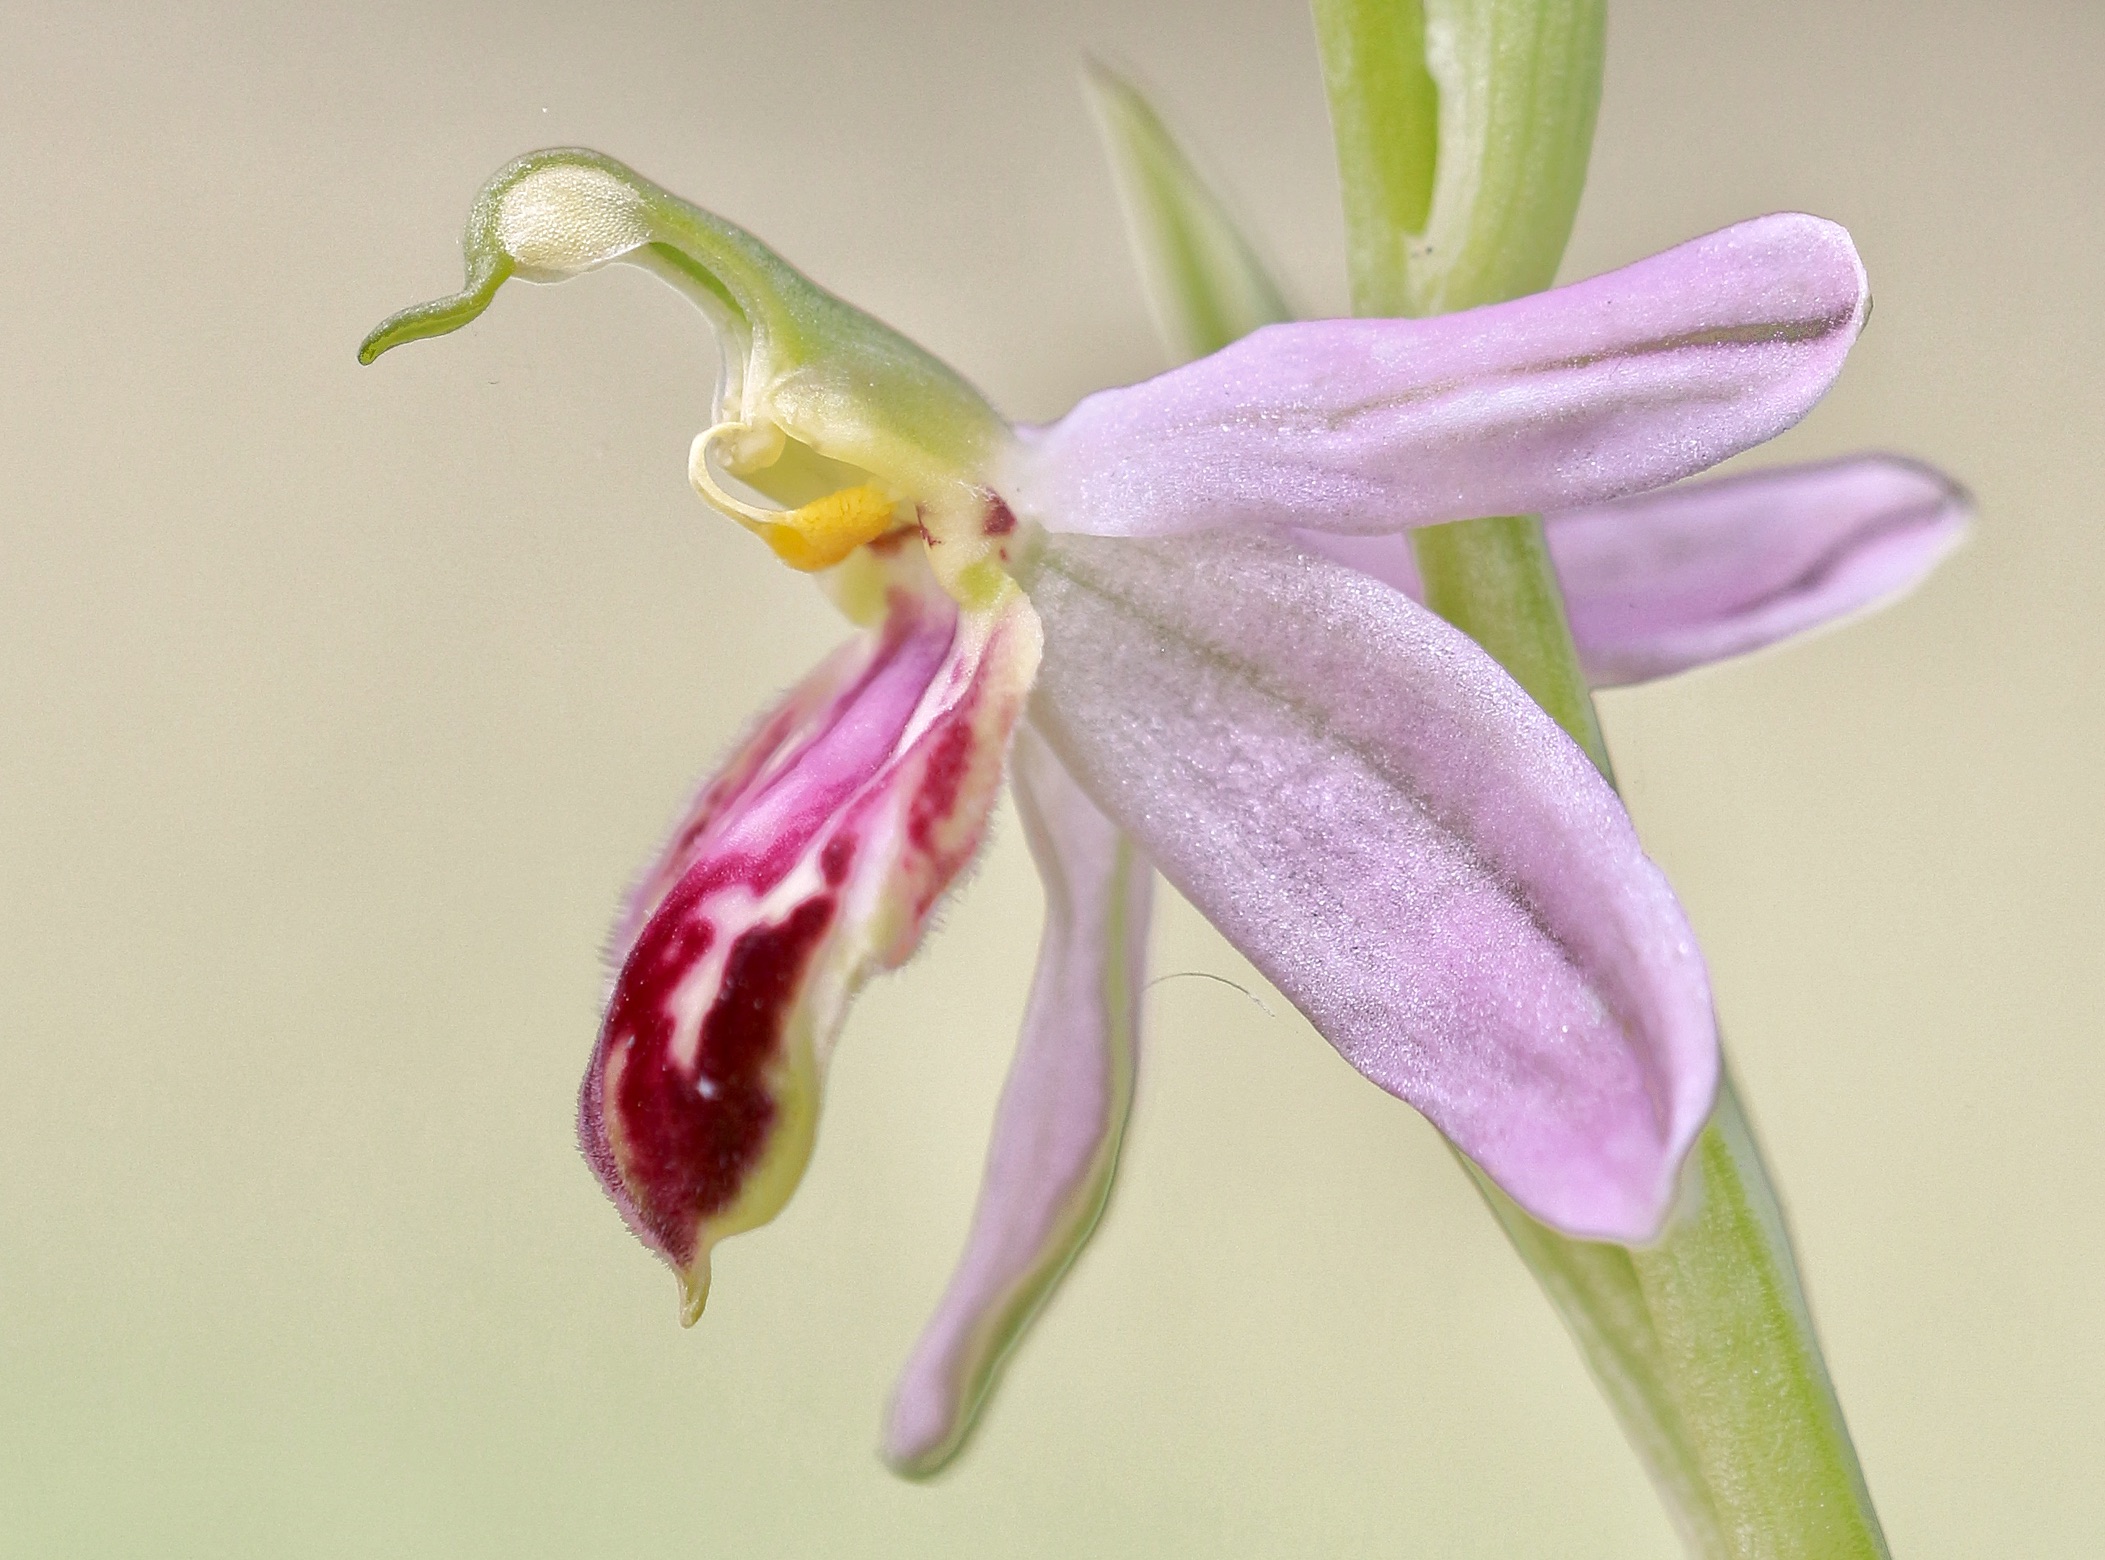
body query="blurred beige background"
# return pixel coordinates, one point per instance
(339, 705)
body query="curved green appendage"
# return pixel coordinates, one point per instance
(799, 361)
(441, 316)
(1205, 283)
(1463, 132)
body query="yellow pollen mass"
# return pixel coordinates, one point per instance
(826, 530)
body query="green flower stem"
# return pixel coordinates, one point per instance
(1493, 580)
(1703, 1346)
(1702, 1341)
(1463, 129)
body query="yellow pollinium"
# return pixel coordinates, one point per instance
(825, 531)
(815, 536)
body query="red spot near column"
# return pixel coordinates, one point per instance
(836, 859)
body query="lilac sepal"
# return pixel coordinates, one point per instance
(1677, 579)
(1593, 391)
(1672, 580)
(1396, 835)
(1062, 1115)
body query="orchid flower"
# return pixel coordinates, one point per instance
(1655, 584)
(1360, 798)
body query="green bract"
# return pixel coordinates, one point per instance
(1205, 283)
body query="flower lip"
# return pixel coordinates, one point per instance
(812, 861)
(693, 1077)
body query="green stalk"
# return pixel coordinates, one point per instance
(1702, 1341)
(1493, 580)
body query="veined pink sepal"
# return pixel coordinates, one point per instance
(1062, 1115)
(809, 863)
(1690, 575)
(1385, 823)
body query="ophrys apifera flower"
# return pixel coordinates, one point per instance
(1359, 797)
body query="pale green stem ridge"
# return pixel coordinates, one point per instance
(1385, 113)
(1702, 1341)
(1494, 581)
(1463, 132)
(1703, 1345)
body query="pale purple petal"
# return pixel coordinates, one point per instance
(1392, 831)
(1590, 392)
(1670, 580)
(1689, 575)
(1386, 558)
(1062, 1115)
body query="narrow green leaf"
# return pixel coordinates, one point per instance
(1205, 283)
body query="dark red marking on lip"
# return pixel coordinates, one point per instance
(836, 859)
(831, 734)
(948, 761)
(690, 1137)
(1000, 519)
(798, 794)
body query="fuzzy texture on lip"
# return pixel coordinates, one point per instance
(1402, 841)
(1590, 392)
(813, 860)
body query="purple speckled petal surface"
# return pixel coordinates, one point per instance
(1062, 1115)
(1395, 834)
(1676, 579)
(1688, 575)
(1590, 392)
(1385, 558)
